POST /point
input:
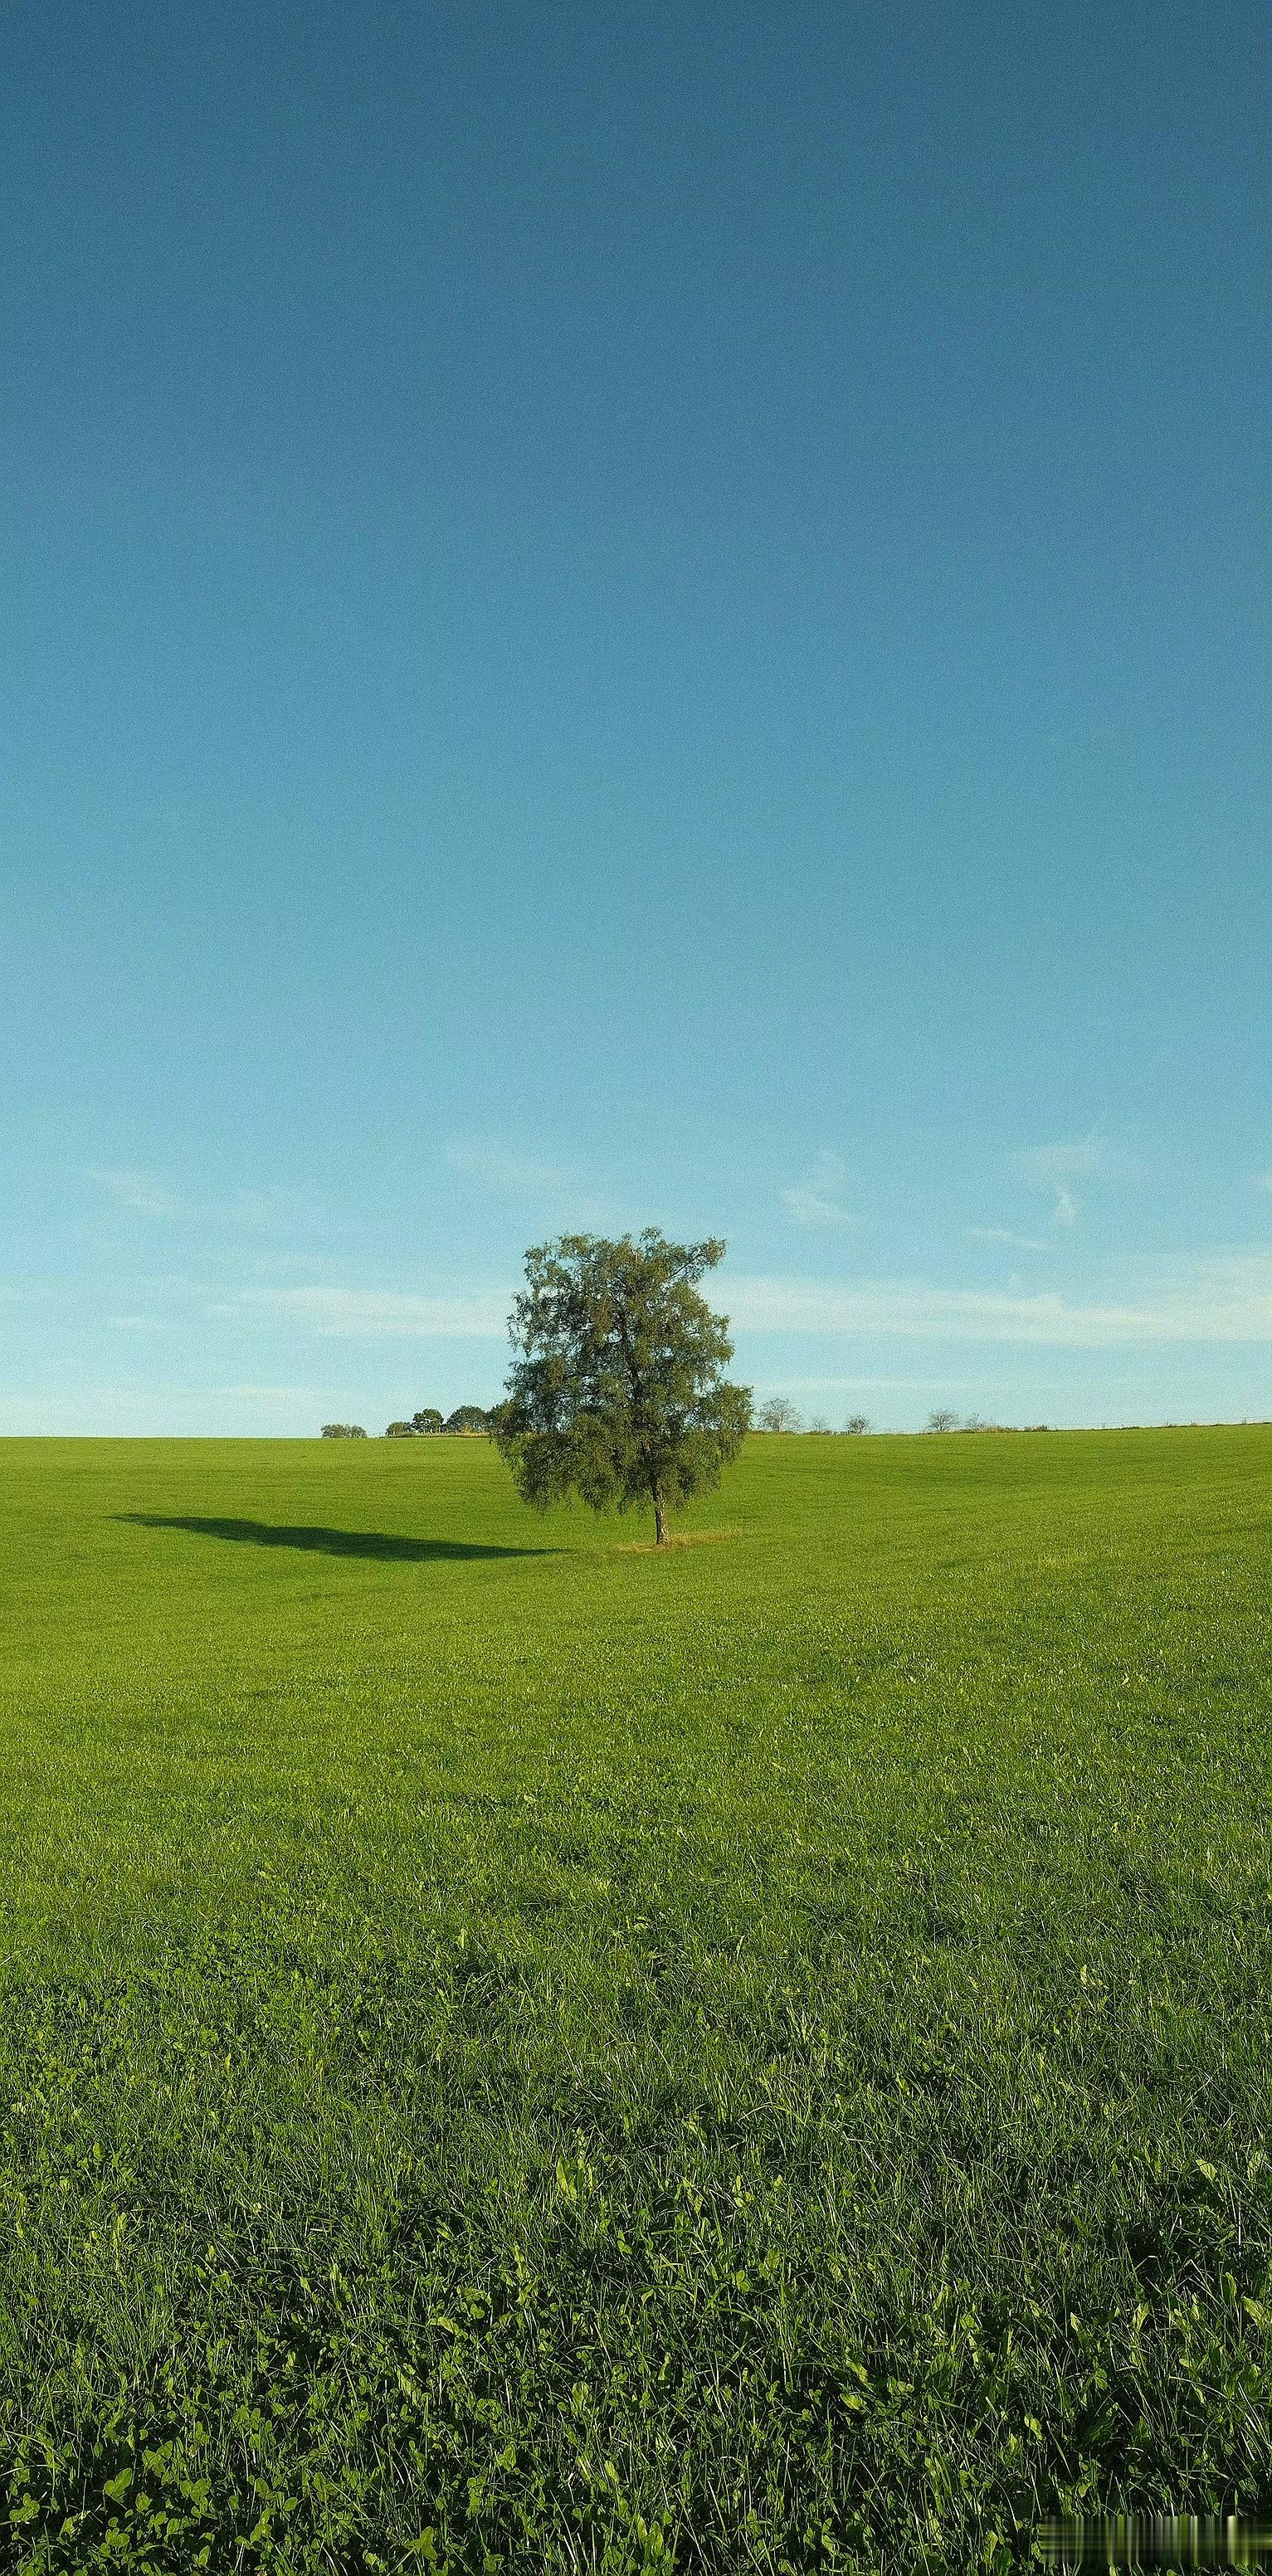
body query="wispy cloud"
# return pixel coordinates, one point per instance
(834, 1388)
(1003, 1234)
(1082, 1158)
(508, 1175)
(146, 1196)
(256, 1207)
(819, 1198)
(287, 1395)
(1228, 1299)
(377, 1314)
(137, 1190)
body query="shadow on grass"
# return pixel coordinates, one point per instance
(335, 1542)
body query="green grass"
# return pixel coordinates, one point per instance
(520, 2054)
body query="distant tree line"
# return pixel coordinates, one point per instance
(944, 1419)
(422, 1425)
(779, 1414)
(428, 1422)
(776, 1414)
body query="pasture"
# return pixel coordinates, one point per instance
(518, 2053)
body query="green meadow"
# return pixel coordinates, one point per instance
(518, 2052)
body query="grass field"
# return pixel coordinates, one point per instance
(519, 2054)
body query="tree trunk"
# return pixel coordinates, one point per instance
(660, 1520)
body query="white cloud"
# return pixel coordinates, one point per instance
(136, 1190)
(833, 1388)
(818, 1200)
(257, 1207)
(1082, 1158)
(170, 1410)
(508, 1175)
(141, 1192)
(1003, 1234)
(1226, 1299)
(378, 1314)
(269, 1394)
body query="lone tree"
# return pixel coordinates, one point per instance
(616, 1390)
(427, 1421)
(779, 1414)
(343, 1431)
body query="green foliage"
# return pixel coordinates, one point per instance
(427, 1421)
(400, 1431)
(617, 1392)
(468, 1417)
(343, 1431)
(545, 2056)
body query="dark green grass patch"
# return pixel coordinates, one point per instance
(517, 2053)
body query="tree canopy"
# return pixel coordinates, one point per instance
(343, 1431)
(468, 1417)
(616, 1391)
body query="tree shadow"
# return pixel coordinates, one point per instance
(335, 1542)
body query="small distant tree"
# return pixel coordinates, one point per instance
(779, 1414)
(942, 1420)
(617, 1389)
(857, 1422)
(426, 1422)
(468, 1417)
(400, 1431)
(819, 1423)
(343, 1431)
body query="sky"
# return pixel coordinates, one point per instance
(624, 617)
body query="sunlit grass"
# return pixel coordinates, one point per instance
(521, 2051)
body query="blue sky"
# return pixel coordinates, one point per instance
(623, 617)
